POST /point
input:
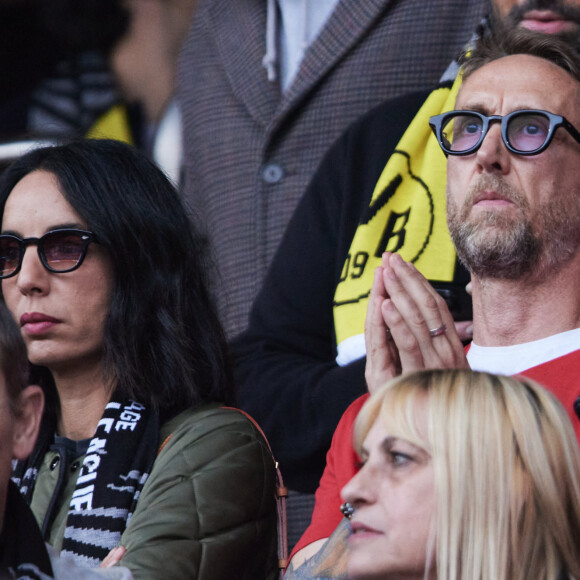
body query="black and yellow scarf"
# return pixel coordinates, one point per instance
(406, 215)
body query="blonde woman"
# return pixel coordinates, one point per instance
(465, 476)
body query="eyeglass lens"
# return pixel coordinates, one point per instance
(60, 251)
(526, 132)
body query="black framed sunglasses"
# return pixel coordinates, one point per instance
(524, 132)
(59, 251)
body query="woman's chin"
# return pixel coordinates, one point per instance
(43, 357)
(367, 565)
(39, 359)
(362, 566)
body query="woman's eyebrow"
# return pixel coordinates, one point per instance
(67, 226)
(388, 443)
(63, 226)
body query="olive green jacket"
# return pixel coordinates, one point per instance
(207, 511)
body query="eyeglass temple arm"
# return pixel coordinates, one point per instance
(571, 129)
(435, 127)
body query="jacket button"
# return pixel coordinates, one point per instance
(55, 461)
(272, 173)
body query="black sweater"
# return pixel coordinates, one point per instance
(285, 362)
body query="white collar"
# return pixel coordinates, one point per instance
(511, 360)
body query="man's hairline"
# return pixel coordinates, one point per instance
(570, 75)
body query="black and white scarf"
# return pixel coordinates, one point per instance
(117, 463)
(73, 97)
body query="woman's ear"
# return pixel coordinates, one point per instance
(27, 421)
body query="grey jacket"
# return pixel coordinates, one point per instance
(250, 151)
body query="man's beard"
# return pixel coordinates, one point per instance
(565, 10)
(513, 243)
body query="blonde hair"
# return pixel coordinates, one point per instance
(507, 472)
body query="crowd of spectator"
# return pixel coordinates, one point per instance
(274, 264)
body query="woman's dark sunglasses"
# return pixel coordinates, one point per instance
(525, 132)
(59, 251)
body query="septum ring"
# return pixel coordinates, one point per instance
(437, 331)
(347, 510)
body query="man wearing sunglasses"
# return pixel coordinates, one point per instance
(513, 185)
(513, 208)
(381, 187)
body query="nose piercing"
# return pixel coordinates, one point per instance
(347, 510)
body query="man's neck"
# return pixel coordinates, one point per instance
(507, 312)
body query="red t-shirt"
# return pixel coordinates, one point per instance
(561, 376)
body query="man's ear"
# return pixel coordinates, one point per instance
(27, 421)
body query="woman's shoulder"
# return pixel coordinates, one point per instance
(204, 437)
(214, 477)
(209, 420)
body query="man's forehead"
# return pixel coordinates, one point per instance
(516, 82)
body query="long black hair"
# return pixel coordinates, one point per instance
(163, 343)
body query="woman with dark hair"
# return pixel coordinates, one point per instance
(136, 447)
(23, 554)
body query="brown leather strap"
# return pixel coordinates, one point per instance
(164, 444)
(281, 495)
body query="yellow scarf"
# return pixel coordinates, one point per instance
(406, 215)
(113, 124)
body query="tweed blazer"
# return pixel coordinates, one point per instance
(250, 151)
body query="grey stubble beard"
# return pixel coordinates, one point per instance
(501, 245)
